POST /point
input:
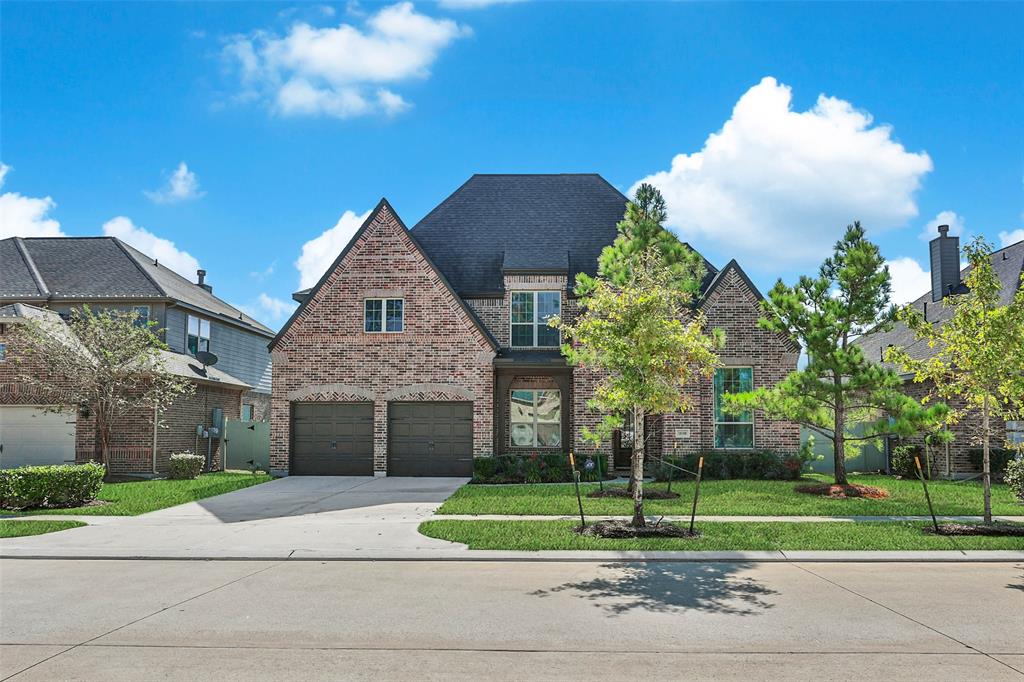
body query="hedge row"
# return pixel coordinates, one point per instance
(50, 487)
(764, 465)
(536, 468)
(998, 458)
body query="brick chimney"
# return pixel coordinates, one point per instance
(945, 262)
(201, 281)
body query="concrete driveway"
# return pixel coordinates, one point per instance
(285, 517)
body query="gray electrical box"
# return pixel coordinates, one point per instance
(216, 422)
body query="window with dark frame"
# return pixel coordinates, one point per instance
(535, 418)
(3, 352)
(141, 316)
(529, 315)
(383, 315)
(733, 429)
(197, 334)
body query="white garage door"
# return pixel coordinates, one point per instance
(29, 435)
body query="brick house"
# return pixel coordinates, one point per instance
(952, 460)
(420, 349)
(59, 274)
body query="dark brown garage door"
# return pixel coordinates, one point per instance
(430, 439)
(332, 439)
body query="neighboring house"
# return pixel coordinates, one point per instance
(948, 279)
(420, 349)
(64, 273)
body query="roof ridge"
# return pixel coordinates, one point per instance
(138, 266)
(30, 263)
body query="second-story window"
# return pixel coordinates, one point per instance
(383, 315)
(141, 316)
(531, 311)
(198, 334)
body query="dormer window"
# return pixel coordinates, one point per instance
(530, 313)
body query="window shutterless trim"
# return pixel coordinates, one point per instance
(535, 421)
(715, 423)
(199, 334)
(383, 315)
(535, 323)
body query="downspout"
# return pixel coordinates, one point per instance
(156, 421)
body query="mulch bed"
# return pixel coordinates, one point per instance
(626, 492)
(990, 530)
(622, 529)
(842, 492)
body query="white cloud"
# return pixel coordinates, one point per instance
(182, 185)
(319, 253)
(22, 216)
(1007, 238)
(473, 4)
(931, 228)
(268, 309)
(260, 275)
(782, 185)
(340, 71)
(909, 280)
(163, 250)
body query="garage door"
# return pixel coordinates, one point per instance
(32, 436)
(332, 439)
(430, 439)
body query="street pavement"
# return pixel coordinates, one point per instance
(417, 620)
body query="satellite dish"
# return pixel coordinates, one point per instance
(206, 357)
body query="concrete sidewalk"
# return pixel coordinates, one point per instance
(719, 519)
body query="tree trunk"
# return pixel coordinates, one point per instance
(839, 447)
(637, 479)
(986, 473)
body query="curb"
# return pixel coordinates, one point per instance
(924, 556)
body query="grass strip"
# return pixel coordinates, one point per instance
(739, 498)
(20, 529)
(138, 497)
(559, 535)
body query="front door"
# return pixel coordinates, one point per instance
(622, 444)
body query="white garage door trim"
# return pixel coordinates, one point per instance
(30, 435)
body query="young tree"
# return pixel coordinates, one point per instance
(978, 353)
(641, 229)
(839, 388)
(636, 333)
(104, 361)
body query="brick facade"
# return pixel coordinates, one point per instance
(132, 442)
(325, 354)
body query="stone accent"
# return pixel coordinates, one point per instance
(440, 354)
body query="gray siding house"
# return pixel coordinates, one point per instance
(63, 273)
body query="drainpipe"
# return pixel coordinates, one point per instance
(156, 421)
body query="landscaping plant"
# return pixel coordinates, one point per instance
(649, 346)
(839, 389)
(1014, 478)
(185, 466)
(977, 355)
(104, 361)
(50, 487)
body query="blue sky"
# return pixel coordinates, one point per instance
(241, 132)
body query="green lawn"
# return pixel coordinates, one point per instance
(742, 498)
(18, 529)
(138, 497)
(538, 535)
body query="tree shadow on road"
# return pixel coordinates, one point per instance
(1018, 585)
(672, 587)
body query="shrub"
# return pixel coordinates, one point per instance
(902, 460)
(998, 459)
(186, 466)
(755, 465)
(1013, 476)
(50, 487)
(534, 468)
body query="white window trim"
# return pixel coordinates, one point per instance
(535, 322)
(561, 417)
(715, 422)
(209, 339)
(384, 314)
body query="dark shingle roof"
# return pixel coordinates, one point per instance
(16, 274)
(1008, 263)
(76, 268)
(520, 221)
